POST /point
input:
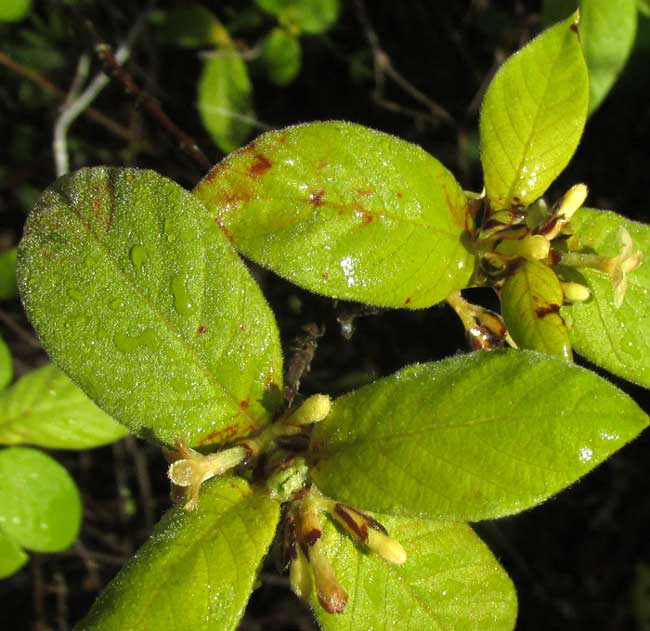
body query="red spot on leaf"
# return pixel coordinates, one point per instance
(408, 300)
(367, 217)
(220, 435)
(326, 276)
(260, 165)
(223, 227)
(251, 146)
(322, 164)
(459, 214)
(399, 194)
(243, 404)
(365, 192)
(316, 198)
(202, 329)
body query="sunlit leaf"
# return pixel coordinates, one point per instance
(533, 115)
(617, 339)
(310, 16)
(40, 508)
(225, 99)
(8, 289)
(197, 570)
(45, 408)
(14, 10)
(12, 556)
(6, 366)
(530, 304)
(281, 55)
(140, 298)
(345, 211)
(472, 437)
(450, 581)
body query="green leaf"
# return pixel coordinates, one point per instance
(472, 437)
(450, 581)
(40, 507)
(617, 339)
(193, 26)
(281, 55)
(8, 289)
(530, 304)
(644, 7)
(310, 16)
(12, 556)
(225, 99)
(140, 298)
(197, 570)
(533, 115)
(6, 366)
(45, 408)
(14, 10)
(345, 211)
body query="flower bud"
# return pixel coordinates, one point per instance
(533, 248)
(312, 410)
(331, 595)
(575, 292)
(300, 577)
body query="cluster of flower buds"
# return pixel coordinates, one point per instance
(307, 551)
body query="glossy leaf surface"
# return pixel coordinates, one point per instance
(45, 408)
(472, 437)
(6, 366)
(139, 297)
(8, 289)
(533, 115)
(281, 56)
(617, 339)
(197, 570)
(450, 581)
(12, 556)
(225, 99)
(40, 508)
(530, 304)
(310, 16)
(345, 211)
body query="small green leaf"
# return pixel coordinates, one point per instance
(617, 339)
(345, 211)
(14, 10)
(6, 366)
(140, 298)
(40, 507)
(197, 570)
(225, 99)
(450, 581)
(530, 304)
(533, 115)
(45, 408)
(644, 7)
(8, 288)
(12, 556)
(310, 16)
(193, 26)
(281, 55)
(472, 437)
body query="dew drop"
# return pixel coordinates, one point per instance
(139, 257)
(629, 346)
(129, 343)
(182, 300)
(117, 304)
(169, 231)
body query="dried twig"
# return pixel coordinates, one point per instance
(304, 348)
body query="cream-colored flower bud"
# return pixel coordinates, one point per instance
(313, 410)
(575, 292)
(386, 547)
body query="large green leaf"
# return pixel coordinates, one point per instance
(530, 304)
(45, 408)
(310, 16)
(472, 437)
(40, 508)
(450, 581)
(345, 211)
(12, 556)
(14, 10)
(6, 365)
(197, 570)
(617, 339)
(140, 298)
(533, 115)
(281, 55)
(8, 287)
(225, 99)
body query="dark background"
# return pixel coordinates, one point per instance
(578, 559)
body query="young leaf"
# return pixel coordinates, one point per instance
(309, 16)
(192, 26)
(12, 556)
(225, 99)
(281, 55)
(533, 115)
(450, 581)
(14, 10)
(141, 299)
(8, 289)
(45, 408)
(607, 31)
(530, 304)
(40, 507)
(197, 569)
(6, 366)
(345, 211)
(616, 338)
(472, 437)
